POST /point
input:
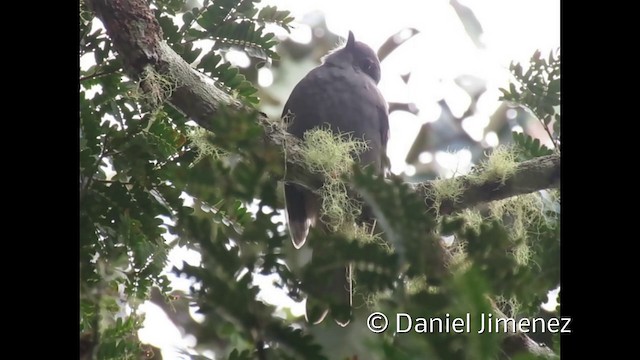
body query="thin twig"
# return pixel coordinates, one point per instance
(113, 182)
(546, 128)
(103, 152)
(97, 74)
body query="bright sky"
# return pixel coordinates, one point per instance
(513, 30)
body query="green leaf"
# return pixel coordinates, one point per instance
(528, 147)
(539, 89)
(556, 125)
(517, 71)
(169, 29)
(189, 54)
(407, 228)
(554, 86)
(271, 14)
(187, 18)
(536, 56)
(244, 355)
(298, 341)
(506, 95)
(209, 62)
(164, 138)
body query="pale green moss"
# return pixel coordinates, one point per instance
(338, 209)
(522, 253)
(416, 285)
(199, 138)
(331, 155)
(445, 189)
(372, 300)
(365, 235)
(459, 262)
(524, 216)
(510, 307)
(154, 88)
(524, 213)
(472, 218)
(500, 165)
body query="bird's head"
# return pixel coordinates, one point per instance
(357, 54)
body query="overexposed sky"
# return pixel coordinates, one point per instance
(513, 28)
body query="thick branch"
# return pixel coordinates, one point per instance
(530, 176)
(137, 37)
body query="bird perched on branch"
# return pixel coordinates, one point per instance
(340, 94)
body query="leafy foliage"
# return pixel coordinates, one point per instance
(540, 85)
(231, 24)
(529, 147)
(488, 267)
(134, 167)
(112, 346)
(539, 91)
(408, 229)
(146, 189)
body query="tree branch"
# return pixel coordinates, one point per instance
(137, 37)
(96, 74)
(530, 176)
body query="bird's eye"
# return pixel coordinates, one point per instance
(370, 67)
(367, 64)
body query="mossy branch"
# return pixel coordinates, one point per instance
(529, 176)
(137, 37)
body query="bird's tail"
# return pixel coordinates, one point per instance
(331, 294)
(328, 284)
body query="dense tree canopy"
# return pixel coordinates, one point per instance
(174, 141)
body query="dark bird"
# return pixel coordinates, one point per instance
(340, 94)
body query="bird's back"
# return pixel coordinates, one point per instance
(344, 100)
